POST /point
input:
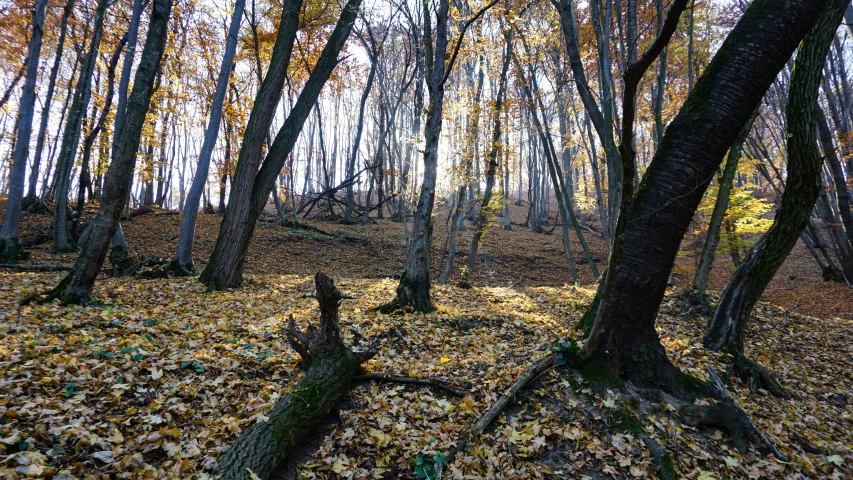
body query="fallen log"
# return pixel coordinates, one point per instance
(331, 367)
(36, 268)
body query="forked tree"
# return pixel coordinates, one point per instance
(253, 180)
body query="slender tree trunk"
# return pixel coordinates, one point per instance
(62, 240)
(76, 287)
(183, 261)
(10, 247)
(351, 161)
(492, 159)
(712, 239)
(841, 193)
(51, 85)
(469, 141)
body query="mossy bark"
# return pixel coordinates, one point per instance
(727, 329)
(623, 335)
(331, 367)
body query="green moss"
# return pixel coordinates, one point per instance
(627, 421)
(693, 385)
(601, 374)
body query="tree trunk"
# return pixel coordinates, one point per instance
(183, 261)
(623, 338)
(802, 187)
(351, 161)
(492, 158)
(10, 247)
(76, 287)
(712, 239)
(250, 187)
(51, 85)
(62, 241)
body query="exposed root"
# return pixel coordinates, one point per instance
(757, 377)
(728, 415)
(429, 382)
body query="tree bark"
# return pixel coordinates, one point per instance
(62, 240)
(492, 159)
(250, 187)
(623, 338)
(10, 246)
(802, 187)
(183, 261)
(712, 239)
(76, 287)
(331, 367)
(51, 85)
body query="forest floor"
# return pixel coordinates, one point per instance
(155, 379)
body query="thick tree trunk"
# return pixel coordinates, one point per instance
(250, 188)
(183, 261)
(330, 368)
(623, 336)
(75, 288)
(62, 240)
(712, 239)
(10, 247)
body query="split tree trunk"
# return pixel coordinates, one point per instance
(250, 187)
(331, 367)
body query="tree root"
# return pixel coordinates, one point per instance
(728, 415)
(429, 382)
(630, 422)
(757, 377)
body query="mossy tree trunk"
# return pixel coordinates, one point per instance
(251, 186)
(75, 288)
(727, 329)
(623, 336)
(330, 368)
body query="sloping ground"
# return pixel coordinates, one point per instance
(506, 258)
(159, 378)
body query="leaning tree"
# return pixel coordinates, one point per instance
(727, 329)
(255, 176)
(623, 339)
(77, 285)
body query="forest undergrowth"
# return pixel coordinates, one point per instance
(156, 378)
